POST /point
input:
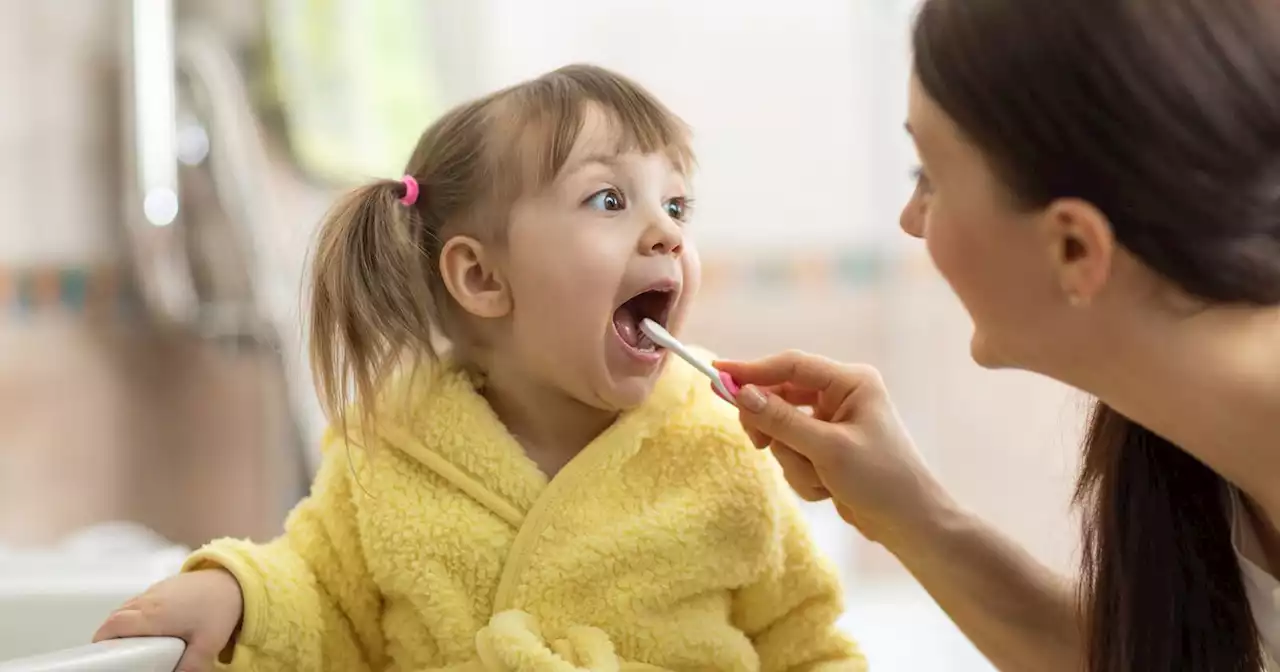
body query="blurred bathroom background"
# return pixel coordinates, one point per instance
(165, 162)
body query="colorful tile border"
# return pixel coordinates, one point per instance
(88, 291)
(810, 270)
(109, 292)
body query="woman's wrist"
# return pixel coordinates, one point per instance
(928, 528)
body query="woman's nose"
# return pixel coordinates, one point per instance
(912, 218)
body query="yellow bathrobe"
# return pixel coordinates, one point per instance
(668, 543)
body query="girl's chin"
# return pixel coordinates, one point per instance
(631, 391)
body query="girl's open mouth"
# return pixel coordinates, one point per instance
(653, 304)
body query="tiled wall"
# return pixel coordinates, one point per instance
(102, 416)
(105, 423)
(57, 186)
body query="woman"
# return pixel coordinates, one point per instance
(1100, 185)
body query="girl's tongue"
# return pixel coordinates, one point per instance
(626, 319)
(628, 325)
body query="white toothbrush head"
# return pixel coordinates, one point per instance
(720, 381)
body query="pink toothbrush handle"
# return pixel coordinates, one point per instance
(729, 384)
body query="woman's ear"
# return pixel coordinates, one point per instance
(1081, 248)
(474, 278)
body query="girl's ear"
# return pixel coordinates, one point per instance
(474, 279)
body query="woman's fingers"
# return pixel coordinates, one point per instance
(797, 396)
(801, 475)
(793, 366)
(853, 448)
(764, 413)
(801, 398)
(758, 438)
(796, 371)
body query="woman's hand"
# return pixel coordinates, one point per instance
(203, 608)
(852, 447)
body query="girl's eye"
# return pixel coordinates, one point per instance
(610, 200)
(921, 179)
(678, 208)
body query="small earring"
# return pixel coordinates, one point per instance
(1074, 300)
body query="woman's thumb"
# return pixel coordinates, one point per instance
(774, 417)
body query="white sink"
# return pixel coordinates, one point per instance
(150, 654)
(55, 599)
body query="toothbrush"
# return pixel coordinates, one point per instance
(721, 382)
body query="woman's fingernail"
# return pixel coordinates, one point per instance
(751, 399)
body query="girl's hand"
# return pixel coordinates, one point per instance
(202, 608)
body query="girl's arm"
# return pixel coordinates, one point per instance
(309, 602)
(790, 612)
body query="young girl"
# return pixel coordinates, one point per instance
(551, 493)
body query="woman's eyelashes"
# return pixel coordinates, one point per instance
(921, 179)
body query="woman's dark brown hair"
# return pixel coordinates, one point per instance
(1164, 114)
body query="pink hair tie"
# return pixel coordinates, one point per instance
(410, 190)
